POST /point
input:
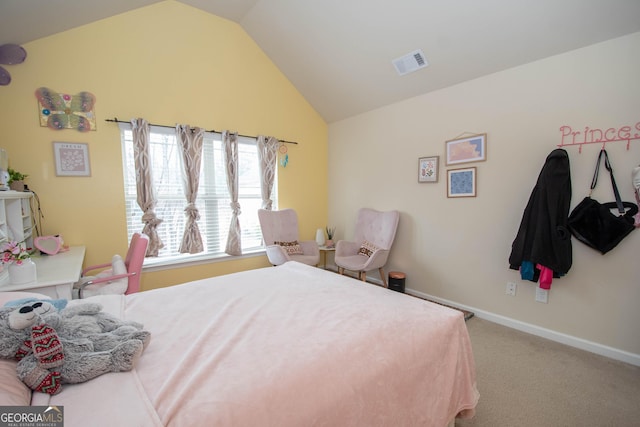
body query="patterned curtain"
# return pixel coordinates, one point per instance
(230, 142)
(190, 143)
(267, 156)
(144, 185)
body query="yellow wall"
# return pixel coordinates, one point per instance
(169, 63)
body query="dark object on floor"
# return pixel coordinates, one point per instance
(396, 281)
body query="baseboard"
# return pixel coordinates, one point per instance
(603, 350)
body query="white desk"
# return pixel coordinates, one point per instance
(56, 274)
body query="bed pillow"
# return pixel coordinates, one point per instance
(5, 297)
(367, 249)
(292, 248)
(12, 390)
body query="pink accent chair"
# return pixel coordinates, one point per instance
(379, 230)
(282, 226)
(122, 278)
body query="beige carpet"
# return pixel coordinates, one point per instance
(528, 381)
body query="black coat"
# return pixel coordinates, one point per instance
(543, 237)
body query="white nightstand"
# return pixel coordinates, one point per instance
(323, 252)
(56, 274)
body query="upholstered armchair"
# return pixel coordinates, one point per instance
(371, 244)
(280, 235)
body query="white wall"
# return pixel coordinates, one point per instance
(458, 249)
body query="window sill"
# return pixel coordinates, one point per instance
(159, 264)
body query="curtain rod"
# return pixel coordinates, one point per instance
(115, 120)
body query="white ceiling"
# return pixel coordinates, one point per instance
(338, 53)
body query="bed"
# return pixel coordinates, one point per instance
(291, 345)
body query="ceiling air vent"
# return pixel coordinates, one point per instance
(410, 62)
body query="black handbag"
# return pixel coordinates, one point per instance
(594, 224)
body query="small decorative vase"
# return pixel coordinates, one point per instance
(22, 273)
(329, 243)
(320, 237)
(17, 185)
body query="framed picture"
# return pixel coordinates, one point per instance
(470, 149)
(71, 158)
(59, 111)
(428, 169)
(461, 182)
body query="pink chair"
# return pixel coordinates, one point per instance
(280, 235)
(122, 278)
(371, 244)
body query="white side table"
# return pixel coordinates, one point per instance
(56, 274)
(323, 251)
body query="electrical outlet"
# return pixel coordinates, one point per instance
(511, 289)
(542, 295)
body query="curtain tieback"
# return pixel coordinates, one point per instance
(235, 207)
(151, 219)
(192, 211)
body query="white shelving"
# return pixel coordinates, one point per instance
(16, 222)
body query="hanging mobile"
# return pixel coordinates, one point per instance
(284, 157)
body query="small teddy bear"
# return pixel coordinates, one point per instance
(92, 343)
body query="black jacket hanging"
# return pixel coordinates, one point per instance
(543, 237)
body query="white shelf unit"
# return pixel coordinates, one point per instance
(16, 222)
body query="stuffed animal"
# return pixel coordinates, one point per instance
(15, 339)
(87, 320)
(77, 323)
(71, 345)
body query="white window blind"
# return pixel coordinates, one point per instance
(213, 200)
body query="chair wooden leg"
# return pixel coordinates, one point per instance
(340, 270)
(383, 277)
(363, 276)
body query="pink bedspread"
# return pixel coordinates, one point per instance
(283, 346)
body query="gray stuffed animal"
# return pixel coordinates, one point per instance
(87, 320)
(92, 343)
(15, 340)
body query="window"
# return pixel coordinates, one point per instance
(213, 196)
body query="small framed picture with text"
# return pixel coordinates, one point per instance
(71, 158)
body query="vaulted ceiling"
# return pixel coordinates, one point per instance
(339, 53)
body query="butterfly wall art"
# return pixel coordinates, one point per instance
(10, 54)
(62, 111)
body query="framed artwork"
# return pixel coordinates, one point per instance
(59, 111)
(71, 158)
(470, 149)
(428, 169)
(461, 182)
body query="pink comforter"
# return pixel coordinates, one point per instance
(283, 346)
